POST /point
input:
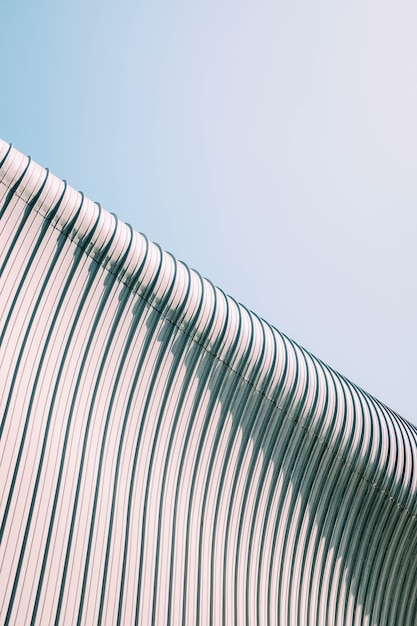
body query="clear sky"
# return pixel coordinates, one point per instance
(270, 145)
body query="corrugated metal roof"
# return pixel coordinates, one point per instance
(169, 457)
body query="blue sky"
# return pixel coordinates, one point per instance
(270, 145)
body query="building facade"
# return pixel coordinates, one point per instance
(170, 458)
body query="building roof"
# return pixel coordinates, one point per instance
(171, 457)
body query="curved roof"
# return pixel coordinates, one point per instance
(169, 456)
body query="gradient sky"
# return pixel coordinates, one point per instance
(270, 145)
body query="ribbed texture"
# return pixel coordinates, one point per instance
(167, 456)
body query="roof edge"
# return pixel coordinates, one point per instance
(367, 436)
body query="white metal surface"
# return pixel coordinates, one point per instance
(167, 456)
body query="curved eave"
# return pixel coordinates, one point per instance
(286, 490)
(370, 437)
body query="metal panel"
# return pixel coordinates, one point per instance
(167, 456)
